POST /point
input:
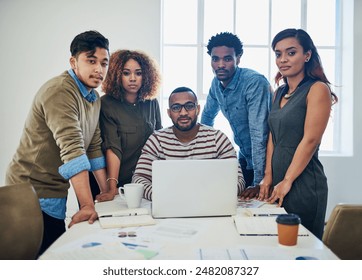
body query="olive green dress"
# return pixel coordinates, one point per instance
(308, 195)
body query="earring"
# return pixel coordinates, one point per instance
(307, 60)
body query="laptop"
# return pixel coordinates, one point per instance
(194, 188)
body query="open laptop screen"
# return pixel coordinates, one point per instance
(194, 188)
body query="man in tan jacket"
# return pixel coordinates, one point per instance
(61, 139)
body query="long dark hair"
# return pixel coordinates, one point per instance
(313, 68)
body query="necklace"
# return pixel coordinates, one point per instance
(289, 95)
(131, 103)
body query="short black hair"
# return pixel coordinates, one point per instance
(88, 41)
(182, 89)
(226, 39)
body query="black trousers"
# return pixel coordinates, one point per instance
(247, 173)
(53, 229)
(93, 185)
(248, 176)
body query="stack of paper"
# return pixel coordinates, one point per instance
(117, 208)
(126, 221)
(112, 215)
(260, 226)
(265, 212)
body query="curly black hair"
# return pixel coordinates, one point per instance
(151, 77)
(225, 39)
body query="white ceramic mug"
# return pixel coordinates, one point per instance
(132, 193)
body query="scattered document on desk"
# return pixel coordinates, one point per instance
(260, 226)
(96, 251)
(265, 212)
(126, 221)
(248, 252)
(222, 254)
(281, 252)
(144, 249)
(180, 230)
(250, 203)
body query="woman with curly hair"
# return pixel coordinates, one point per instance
(129, 114)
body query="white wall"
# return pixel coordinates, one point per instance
(34, 46)
(344, 173)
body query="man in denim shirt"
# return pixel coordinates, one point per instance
(244, 96)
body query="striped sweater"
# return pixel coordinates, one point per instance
(209, 143)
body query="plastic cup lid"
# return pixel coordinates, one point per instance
(288, 219)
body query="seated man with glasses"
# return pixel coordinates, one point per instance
(186, 139)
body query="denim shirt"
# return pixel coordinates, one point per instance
(245, 103)
(90, 96)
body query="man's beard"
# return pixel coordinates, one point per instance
(225, 75)
(185, 128)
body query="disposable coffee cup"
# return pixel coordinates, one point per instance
(132, 193)
(288, 226)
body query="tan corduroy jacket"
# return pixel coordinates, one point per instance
(62, 125)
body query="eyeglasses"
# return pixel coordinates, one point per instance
(189, 106)
(123, 234)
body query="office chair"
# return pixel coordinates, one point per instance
(21, 222)
(343, 232)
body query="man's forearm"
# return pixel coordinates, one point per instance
(101, 178)
(80, 183)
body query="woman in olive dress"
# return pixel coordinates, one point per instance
(294, 176)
